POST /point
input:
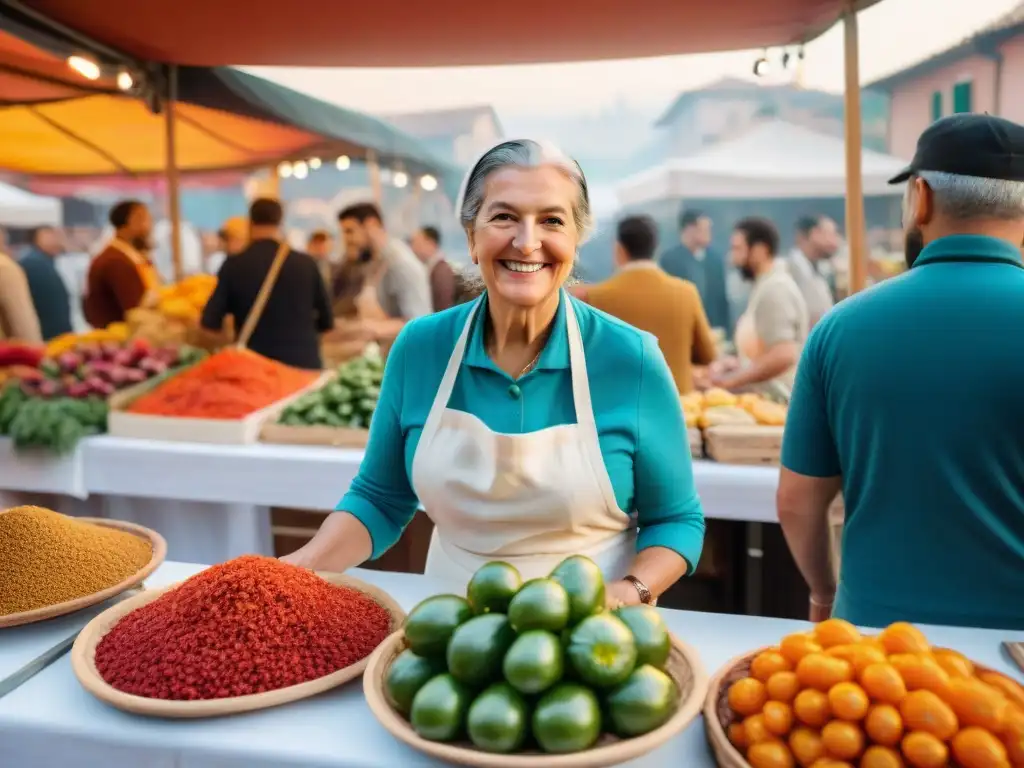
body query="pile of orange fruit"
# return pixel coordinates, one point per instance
(834, 698)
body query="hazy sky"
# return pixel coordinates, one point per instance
(893, 34)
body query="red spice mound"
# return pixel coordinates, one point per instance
(250, 625)
(231, 384)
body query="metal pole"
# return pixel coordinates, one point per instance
(855, 235)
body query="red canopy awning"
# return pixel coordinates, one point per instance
(400, 33)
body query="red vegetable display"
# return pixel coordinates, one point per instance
(12, 353)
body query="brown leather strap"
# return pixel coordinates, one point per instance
(260, 304)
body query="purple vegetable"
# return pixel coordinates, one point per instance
(118, 376)
(69, 362)
(124, 357)
(134, 376)
(109, 349)
(49, 388)
(79, 390)
(102, 368)
(153, 366)
(89, 351)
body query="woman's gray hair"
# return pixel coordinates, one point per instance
(523, 153)
(973, 197)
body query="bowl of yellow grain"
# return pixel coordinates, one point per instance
(54, 564)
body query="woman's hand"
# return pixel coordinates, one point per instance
(619, 593)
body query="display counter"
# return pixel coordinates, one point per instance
(52, 721)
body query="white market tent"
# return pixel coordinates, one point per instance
(19, 208)
(775, 159)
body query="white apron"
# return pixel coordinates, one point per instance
(531, 499)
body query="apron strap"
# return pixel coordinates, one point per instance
(585, 419)
(451, 373)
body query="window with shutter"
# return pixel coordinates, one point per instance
(936, 105)
(962, 97)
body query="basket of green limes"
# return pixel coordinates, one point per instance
(516, 675)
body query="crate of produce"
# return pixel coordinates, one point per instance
(337, 414)
(223, 400)
(744, 444)
(541, 673)
(696, 442)
(835, 696)
(52, 406)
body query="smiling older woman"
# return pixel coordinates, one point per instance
(530, 426)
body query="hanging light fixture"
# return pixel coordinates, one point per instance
(428, 183)
(343, 163)
(285, 170)
(400, 179)
(301, 170)
(314, 163)
(85, 66)
(761, 65)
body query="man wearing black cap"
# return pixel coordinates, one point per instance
(909, 398)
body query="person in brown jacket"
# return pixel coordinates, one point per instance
(121, 275)
(648, 298)
(426, 244)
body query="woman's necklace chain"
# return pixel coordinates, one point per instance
(529, 365)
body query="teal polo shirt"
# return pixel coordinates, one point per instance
(913, 391)
(641, 429)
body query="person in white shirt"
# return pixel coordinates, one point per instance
(817, 241)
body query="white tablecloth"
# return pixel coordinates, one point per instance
(212, 502)
(51, 722)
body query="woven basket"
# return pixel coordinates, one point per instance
(684, 666)
(83, 662)
(718, 716)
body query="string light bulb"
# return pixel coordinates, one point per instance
(400, 179)
(284, 170)
(301, 170)
(86, 67)
(343, 163)
(428, 183)
(125, 81)
(314, 163)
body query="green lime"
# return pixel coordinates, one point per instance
(539, 604)
(498, 719)
(584, 583)
(431, 623)
(439, 708)
(649, 632)
(567, 719)
(534, 662)
(406, 675)
(645, 701)
(492, 587)
(602, 650)
(477, 648)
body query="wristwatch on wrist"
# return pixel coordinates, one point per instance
(645, 594)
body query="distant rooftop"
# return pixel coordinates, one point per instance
(442, 122)
(729, 87)
(981, 42)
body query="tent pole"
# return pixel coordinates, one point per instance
(173, 196)
(374, 170)
(855, 234)
(273, 183)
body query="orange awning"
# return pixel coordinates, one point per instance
(114, 134)
(30, 74)
(436, 33)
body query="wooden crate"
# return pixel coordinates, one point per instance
(335, 437)
(736, 444)
(122, 423)
(696, 442)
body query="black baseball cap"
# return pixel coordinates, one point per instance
(969, 145)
